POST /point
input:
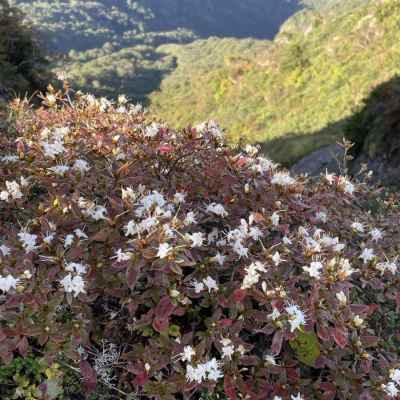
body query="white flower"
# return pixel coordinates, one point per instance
(213, 370)
(314, 270)
(210, 283)
(60, 133)
(217, 209)
(197, 239)
(80, 234)
(69, 239)
(252, 274)
(190, 218)
(262, 165)
(341, 297)
(81, 165)
(51, 150)
(73, 284)
(128, 194)
(390, 389)
(122, 256)
(227, 349)
(78, 268)
(282, 179)
(28, 241)
(8, 282)
(240, 250)
(250, 149)
(270, 359)
(394, 375)
(14, 189)
(179, 197)
(345, 269)
(147, 224)
(198, 286)
(349, 188)
(188, 353)
(275, 314)
(197, 374)
(297, 397)
(169, 233)
(4, 195)
(277, 398)
(276, 258)
(358, 226)
(387, 266)
(255, 233)
(219, 258)
(9, 158)
(59, 169)
(275, 219)
(358, 321)
(49, 237)
(163, 250)
(27, 274)
(131, 228)
(286, 241)
(296, 317)
(321, 216)
(97, 213)
(5, 250)
(376, 234)
(367, 255)
(152, 130)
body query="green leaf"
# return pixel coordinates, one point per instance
(306, 347)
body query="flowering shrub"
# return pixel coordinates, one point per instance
(166, 265)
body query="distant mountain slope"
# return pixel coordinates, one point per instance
(293, 94)
(82, 25)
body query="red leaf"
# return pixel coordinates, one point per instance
(369, 340)
(160, 324)
(22, 347)
(225, 322)
(132, 275)
(165, 149)
(3, 336)
(366, 395)
(340, 337)
(141, 378)
(323, 333)
(229, 388)
(164, 308)
(239, 295)
(398, 302)
(277, 342)
(329, 390)
(89, 376)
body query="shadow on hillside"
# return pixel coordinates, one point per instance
(373, 128)
(134, 72)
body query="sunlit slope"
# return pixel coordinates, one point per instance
(295, 88)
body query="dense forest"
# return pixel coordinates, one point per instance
(22, 64)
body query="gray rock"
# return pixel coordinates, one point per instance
(328, 158)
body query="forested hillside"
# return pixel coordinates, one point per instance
(296, 93)
(82, 25)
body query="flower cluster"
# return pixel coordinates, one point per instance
(206, 268)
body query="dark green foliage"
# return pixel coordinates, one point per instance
(375, 127)
(21, 62)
